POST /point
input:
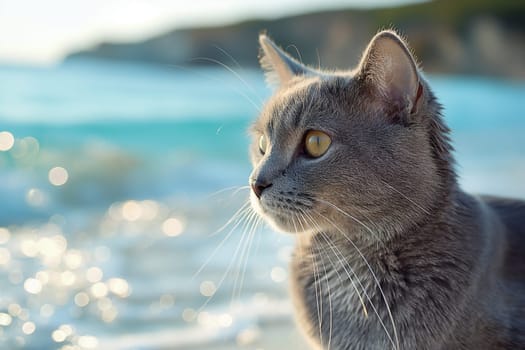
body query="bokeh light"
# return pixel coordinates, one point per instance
(189, 314)
(59, 335)
(5, 256)
(172, 227)
(14, 309)
(7, 141)
(43, 276)
(99, 290)
(28, 327)
(278, 274)
(33, 286)
(58, 176)
(150, 209)
(73, 259)
(47, 310)
(35, 197)
(5, 235)
(68, 278)
(225, 320)
(119, 287)
(248, 336)
(29, 247)
(131, 211)
(81, 299)
(207, 288)
(94, 274)
(167, 300)
(5, 319)
(88, 342)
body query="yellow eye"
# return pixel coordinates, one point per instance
(262, 144)
(316, 143)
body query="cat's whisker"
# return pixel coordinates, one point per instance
(236, 190)
(240, 67)
(212, 78)
(252, 233)
(332, 246)
(317, 287)
(317, 283)
(246, 238)
(351, 217)
(303, 224)
(225, 53)
(235, 217)
(342, 263)
(260, 224)
(296, 50)
(370, 221)
(303, 215)
(329, 304)
(238, 217)
(405, 196)
(229, 69)
(319, 293)
(340, 257)
(241, 188)
(246, 217)
(396, 344)
(374, 308)
(318, 58)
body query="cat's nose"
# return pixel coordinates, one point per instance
(258, 186)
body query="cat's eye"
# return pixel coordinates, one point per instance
(316, 143)
(262, 144)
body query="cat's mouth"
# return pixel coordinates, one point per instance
(283, 213)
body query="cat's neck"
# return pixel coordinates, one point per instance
(446, 252)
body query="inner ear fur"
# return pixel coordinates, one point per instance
(389, 66)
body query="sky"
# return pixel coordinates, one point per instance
(44, 31)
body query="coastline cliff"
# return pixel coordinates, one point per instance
(480, 37)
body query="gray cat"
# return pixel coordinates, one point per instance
(391, 253)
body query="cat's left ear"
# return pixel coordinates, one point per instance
(279, 67)
(392, 71)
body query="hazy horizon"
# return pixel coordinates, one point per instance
(40, 33)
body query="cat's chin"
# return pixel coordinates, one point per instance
(279, 221)
(284, 225)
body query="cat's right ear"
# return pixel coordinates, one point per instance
(279, 67)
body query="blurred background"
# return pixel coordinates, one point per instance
(123, 152)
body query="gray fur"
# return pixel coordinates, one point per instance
(381, 212)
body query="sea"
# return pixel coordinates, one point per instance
(123, 220)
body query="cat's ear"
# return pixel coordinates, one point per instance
(277, 64)
(390, 68)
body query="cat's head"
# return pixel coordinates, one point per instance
(351, 148)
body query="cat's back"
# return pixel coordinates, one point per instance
(511, 213)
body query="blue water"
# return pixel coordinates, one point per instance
(146, 146)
